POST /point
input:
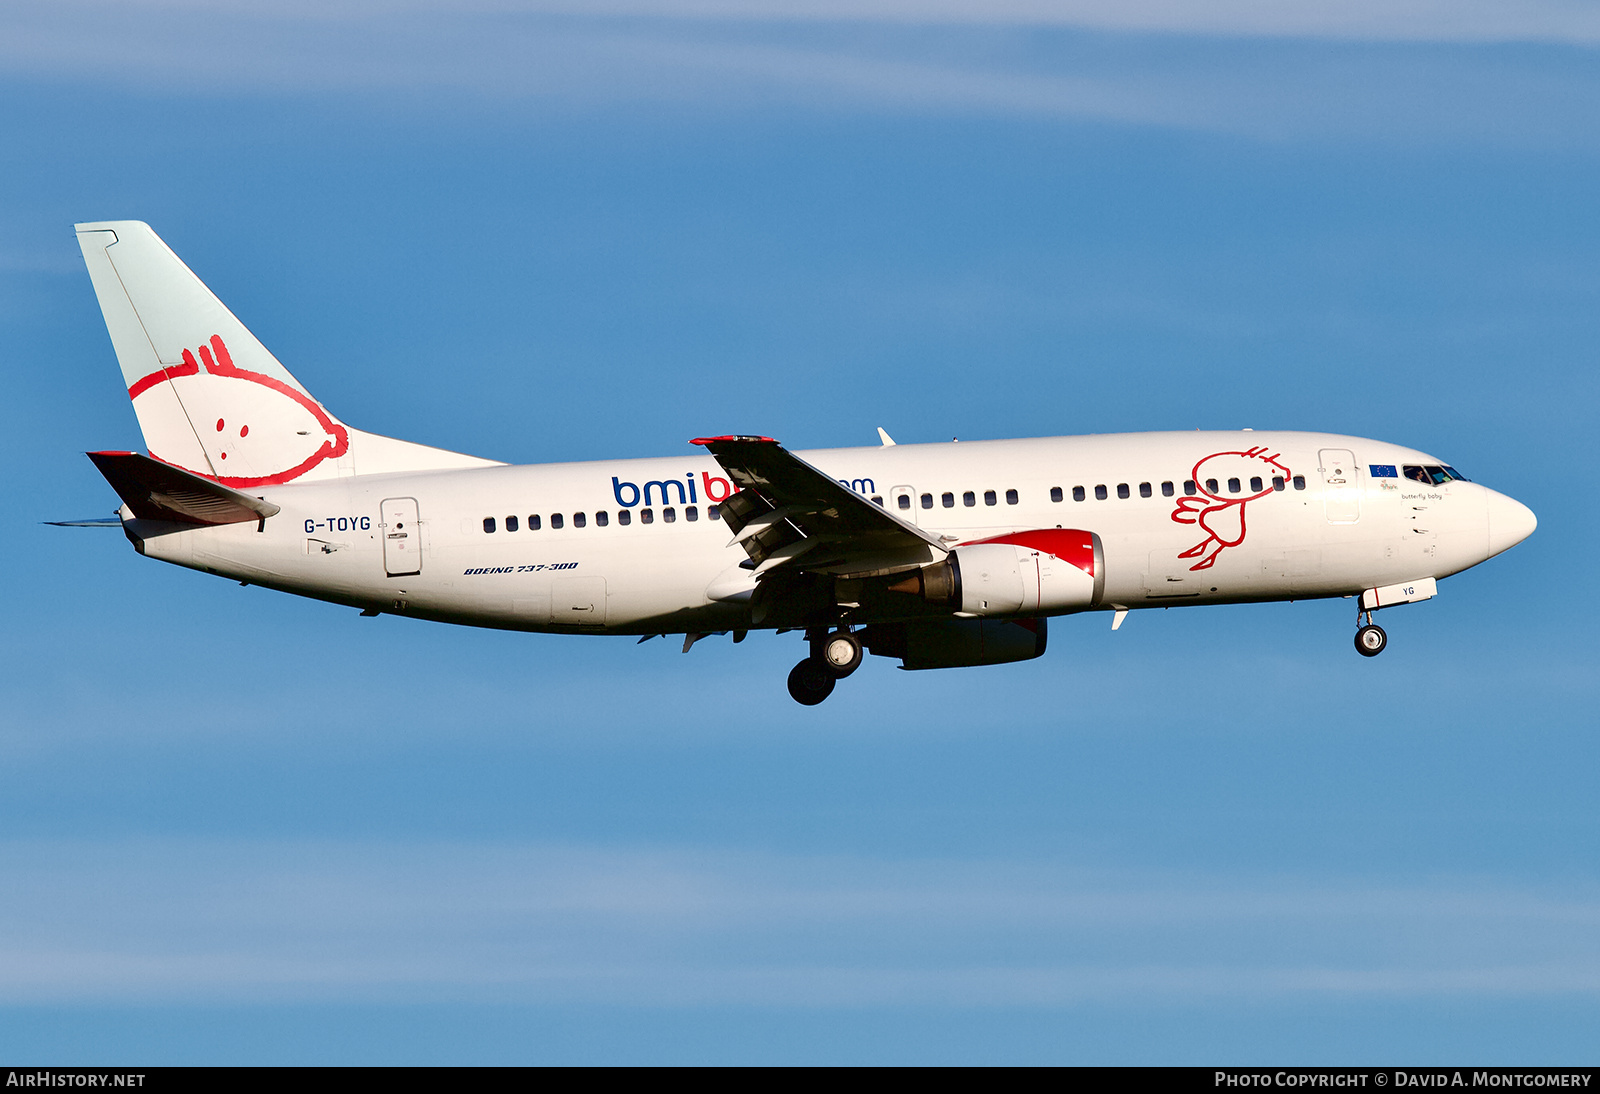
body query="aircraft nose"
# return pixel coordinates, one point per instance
(1510, 522)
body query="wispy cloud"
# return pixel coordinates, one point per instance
(1253, 67)
(1565, 21)
(179, 920)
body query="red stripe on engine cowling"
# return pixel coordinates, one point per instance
(1070, 545)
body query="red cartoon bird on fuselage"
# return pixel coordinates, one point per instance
(1250, 474)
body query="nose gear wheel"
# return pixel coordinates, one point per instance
(1371, 640)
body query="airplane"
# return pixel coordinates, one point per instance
(938, 555)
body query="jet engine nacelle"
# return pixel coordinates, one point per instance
(957, 643)
(1047, 571)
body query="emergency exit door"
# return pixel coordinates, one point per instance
(402, 546)
(903, 503)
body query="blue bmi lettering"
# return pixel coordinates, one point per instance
(683, 497)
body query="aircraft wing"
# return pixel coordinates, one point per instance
(790, 516)
(159, 491)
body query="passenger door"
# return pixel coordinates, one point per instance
(402, 545)
(1341, 488)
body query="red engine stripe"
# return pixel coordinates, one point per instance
(1071, 545)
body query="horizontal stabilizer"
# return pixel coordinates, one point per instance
(158, 491)
(89, 522)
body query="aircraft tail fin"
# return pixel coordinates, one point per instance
(210, 398)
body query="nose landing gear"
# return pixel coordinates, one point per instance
(833, 657)
(1370, 638)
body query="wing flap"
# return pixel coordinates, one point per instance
(785, 508)
(153, 490)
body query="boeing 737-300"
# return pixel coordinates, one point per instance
(939, 555)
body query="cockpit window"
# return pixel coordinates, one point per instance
(1433, 474)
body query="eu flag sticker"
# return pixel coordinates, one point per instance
(1384, 471)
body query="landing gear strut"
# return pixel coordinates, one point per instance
(833, 657)
(1370, 639)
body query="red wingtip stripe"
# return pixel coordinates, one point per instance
(732, 437)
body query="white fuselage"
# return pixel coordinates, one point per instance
(1329, 531)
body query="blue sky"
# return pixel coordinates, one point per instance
(240, 827)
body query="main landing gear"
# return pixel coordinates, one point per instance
(810, 682)
(1370, 638)
(833, 657)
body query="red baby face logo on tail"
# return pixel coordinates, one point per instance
(1227, 482)
(256, 430)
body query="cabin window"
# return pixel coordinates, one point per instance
(602, 518)
(948, 500)
(1299, 482)
(969, 499)
(579, 520)
(877, 500)
(1189, 487)
(690, 513)
(647, 516)
(1100, 492)
(1055, 493)
(1167, 489)
(511, 524)
(669, 515)
(1078, 494)
(1122, 490)
(1011, 497)
(1255, 485)
(1277, 482)
(1233, 486)
(533, 522)
(713, 512)
(624, 516)
(488, 524)
(903, 501)
(1212, 488)
(1145, 491)
(927, 501)
(557, 520)
(989, 497)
